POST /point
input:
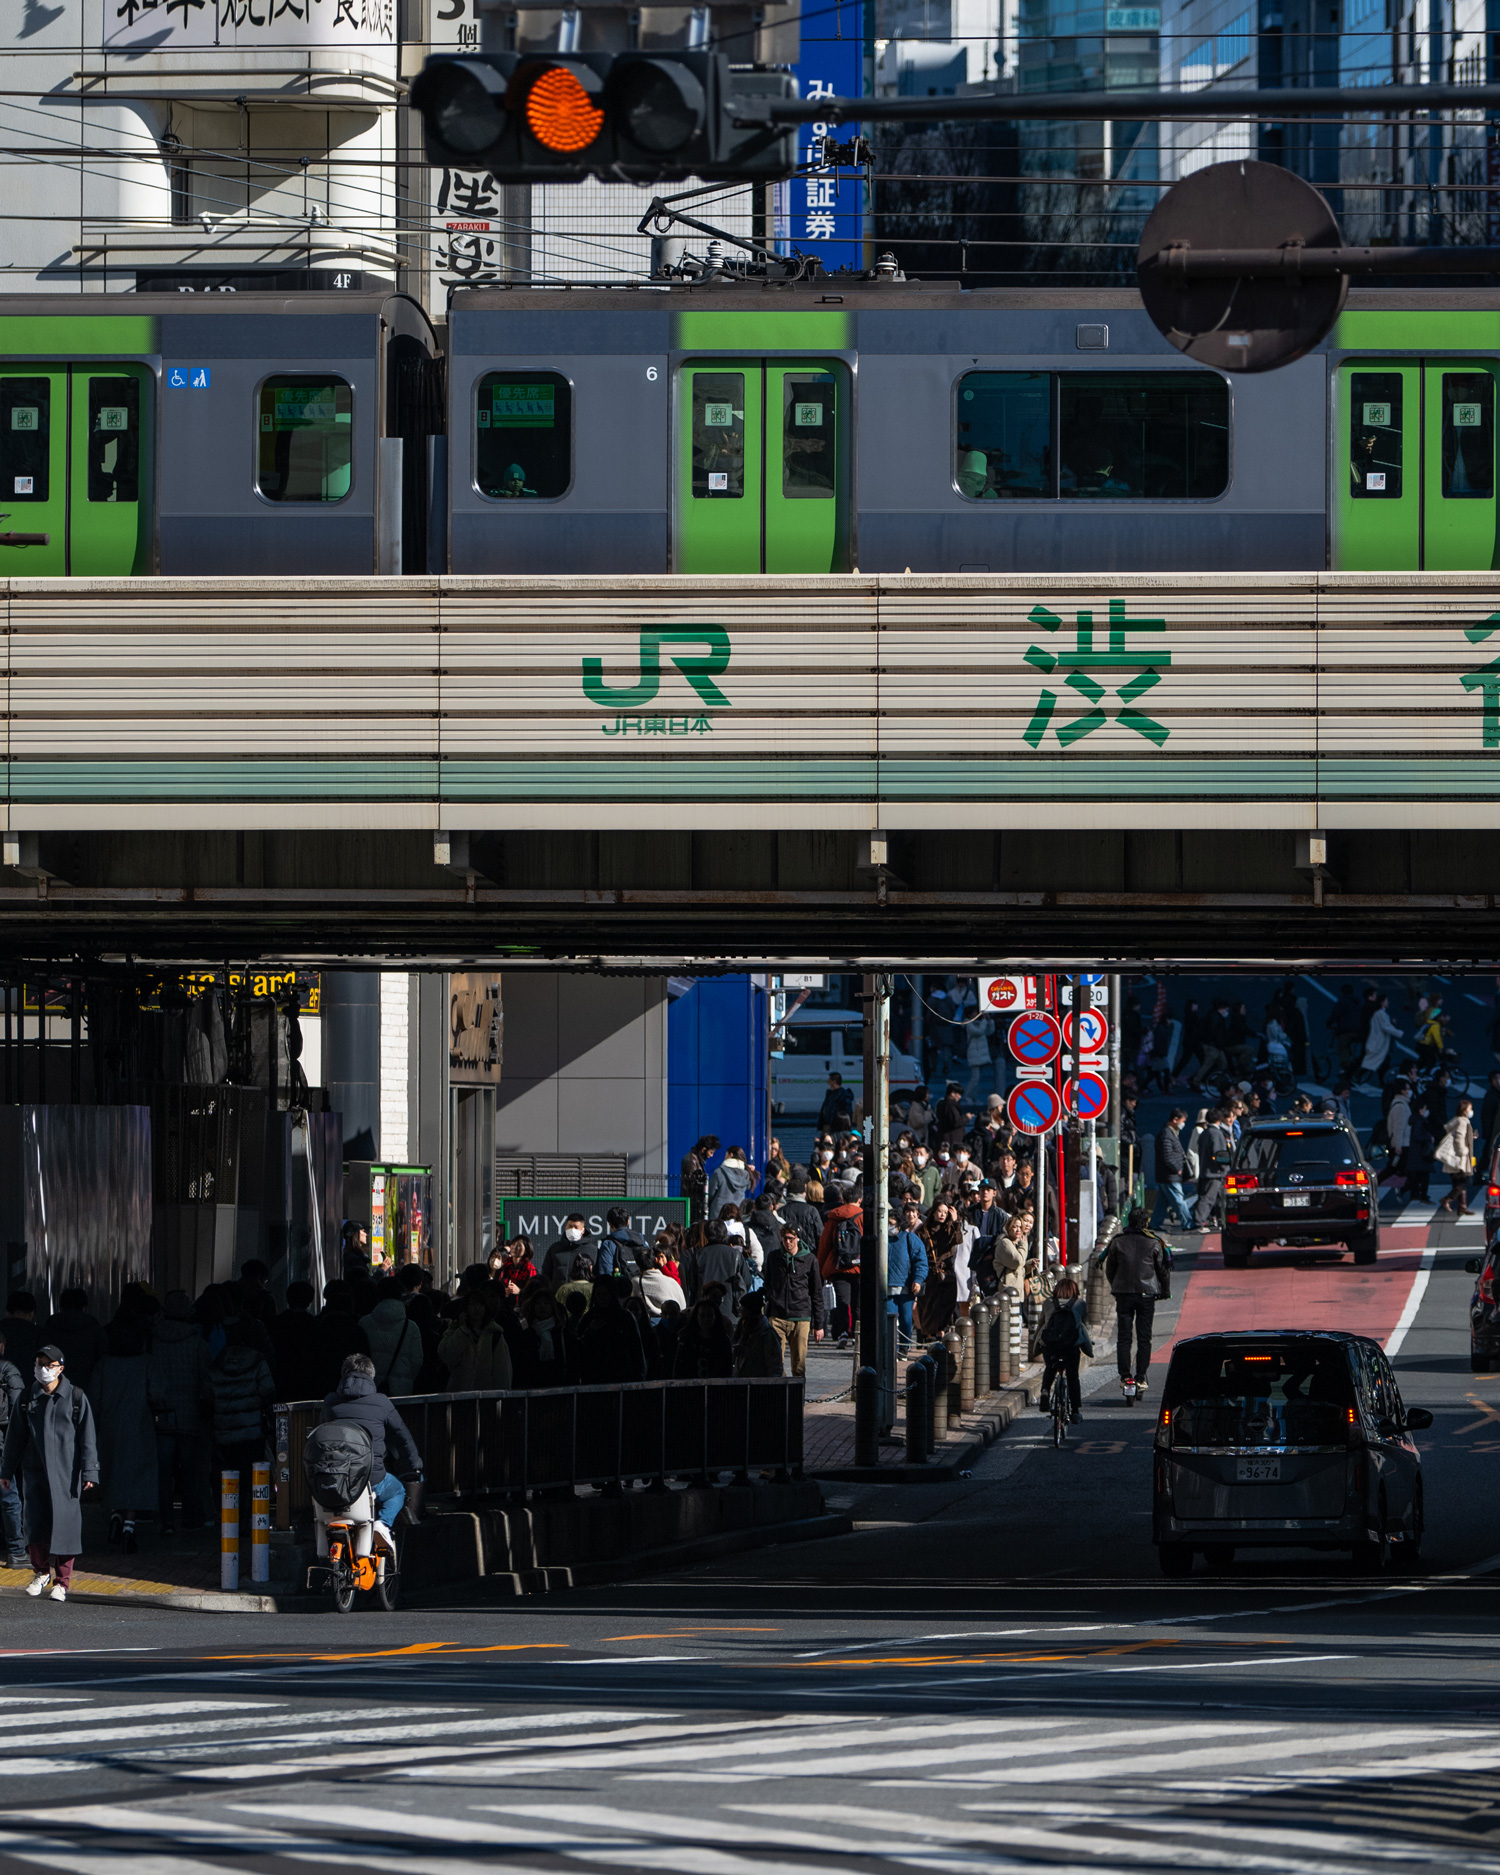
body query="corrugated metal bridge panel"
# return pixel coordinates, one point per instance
(653, 701)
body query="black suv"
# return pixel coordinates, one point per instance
(1300, 1182)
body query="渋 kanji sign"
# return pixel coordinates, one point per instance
(1113, 658)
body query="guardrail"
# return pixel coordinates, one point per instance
(506, 1444)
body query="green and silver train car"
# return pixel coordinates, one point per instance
(164, 433)
(891, 426)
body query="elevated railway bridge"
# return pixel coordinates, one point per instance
(880, 767)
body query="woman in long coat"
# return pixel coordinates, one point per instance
(51, 1448)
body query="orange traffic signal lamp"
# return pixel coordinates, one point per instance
(624, 116)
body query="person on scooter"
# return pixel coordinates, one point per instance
(357, 1398)
(1139, 1274)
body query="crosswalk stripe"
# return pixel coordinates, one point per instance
(1172, 1766)
(764, 1834)
(899, 1755)
(397, 1755)
(604, 1750)
(55, 1853)
(172, 1709)
(1012, 1834)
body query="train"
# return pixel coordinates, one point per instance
(732, 425)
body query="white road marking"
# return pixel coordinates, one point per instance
(897, 1742)
(1175, 1764)
(1413, 1301)
(165, 1710)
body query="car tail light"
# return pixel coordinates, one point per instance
(1353, 1433)
(1487, 1285)
(1492, 1195)
(1359, 1177)
(1242, 1181)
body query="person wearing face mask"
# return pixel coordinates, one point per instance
(50, 1445)
(563, 1252)
(929, 1176)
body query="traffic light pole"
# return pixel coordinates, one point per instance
(1204, 106)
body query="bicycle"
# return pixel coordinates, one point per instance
(1061, 1411)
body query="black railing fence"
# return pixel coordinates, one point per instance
(505, 1444)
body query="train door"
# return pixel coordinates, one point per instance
(74, 466)
(762, 481)
(1416, 456)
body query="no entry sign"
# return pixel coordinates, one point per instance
(1035, 1039)
(1034, 1107)
(1087, 1096)
(1085, 1032)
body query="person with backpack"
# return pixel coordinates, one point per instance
(1139, 1275)
(1215, 1152)
(50, 1446)
(356, 1398)
(839, 1246)
(793, 1287)
(1064, 1337)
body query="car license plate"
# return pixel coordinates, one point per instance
(1257, 1471)
(1293, 1198)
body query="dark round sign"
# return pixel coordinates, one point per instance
(1240, 322)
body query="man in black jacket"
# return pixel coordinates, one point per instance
(794, 1297)
(804, 1218)
(1171, 1167)
(1138, 1272)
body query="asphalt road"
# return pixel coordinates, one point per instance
(986, 1676)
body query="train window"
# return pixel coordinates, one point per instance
(1143, 436)
(524, 427)
(1375, 435)
(719, 435)
(306, 439)
(1468, 436)
(114, 439)
(25, 433)
(807, 431)
(1004, 441)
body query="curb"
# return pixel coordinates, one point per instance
(206, 1601)
(503, 1586)
(980, 1430)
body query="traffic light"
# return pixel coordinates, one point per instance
(625, 116)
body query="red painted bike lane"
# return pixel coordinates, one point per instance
(1284, 1288)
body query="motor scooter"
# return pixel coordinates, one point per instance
(357, 1552)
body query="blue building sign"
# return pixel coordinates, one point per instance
(824, 214)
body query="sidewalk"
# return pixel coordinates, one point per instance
(179, 1571)
(828, 1436)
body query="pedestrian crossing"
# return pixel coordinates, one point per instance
(471, 1787)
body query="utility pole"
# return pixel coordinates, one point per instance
(874, 1387)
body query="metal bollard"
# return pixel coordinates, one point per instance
(938, 1354)
(953, 1341)
(1004, 1372)
(979, 1317)
(866, 1407)
(1018, 1338)
(966, 1368)
(229, 1529)
(260, 1523)
(916, 1413)
(929, 1388)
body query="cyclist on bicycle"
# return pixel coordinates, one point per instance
(1064, 1336)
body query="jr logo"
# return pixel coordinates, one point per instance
(700, 671)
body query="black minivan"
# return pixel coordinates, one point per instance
(1296, 1439)
(1300, 1182)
